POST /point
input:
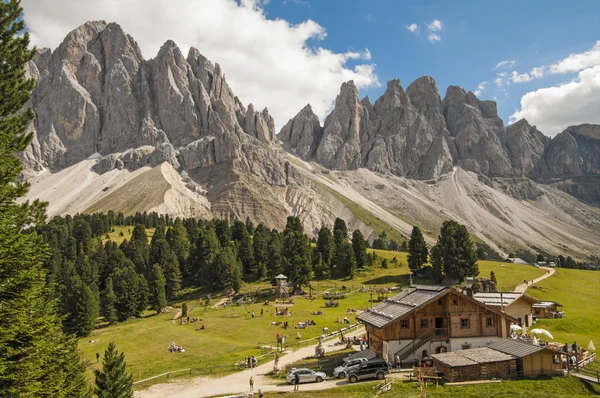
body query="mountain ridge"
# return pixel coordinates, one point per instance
(105, 117)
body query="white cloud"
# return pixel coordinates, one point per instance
(538, 73)
(480, 88)
(519, 78)
(412, 27)
(577, 62)
(267, 62)
(553, 109)
(509, 63)
(435, 26)
(499, 81)
(434, 38)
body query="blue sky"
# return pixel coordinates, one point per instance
(475, 37)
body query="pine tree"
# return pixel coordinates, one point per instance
(157, 282)
(109, 299)
(454, 253)
(345, 260)
(139, 234)
(172, 273)
(418, 252)
(260, 247)
(340, 231)
(246, 255)
(250, 226)
(142, 295)
(493, 278)
(207, 247)
(126, 288)
(359, 245)
(179, 243)
(326, 247)
(113, 381)
(296, 253)
(229, 270)
(36, 359)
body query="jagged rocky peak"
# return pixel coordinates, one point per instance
(340, 145)
(96, 94)
(425, 97)
(525, 144)
(479, 134)
(302, 133)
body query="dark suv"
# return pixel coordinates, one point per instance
(373, 369)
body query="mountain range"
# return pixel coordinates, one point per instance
(114, 131)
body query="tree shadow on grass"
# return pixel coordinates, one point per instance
(381, 280)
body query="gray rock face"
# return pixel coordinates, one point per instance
(391, 136)
(478, 132)
(97, 94)
(525, 144)
(303, 133)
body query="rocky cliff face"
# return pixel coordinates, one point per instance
(97, 94)
(391, 136)
(416, 134)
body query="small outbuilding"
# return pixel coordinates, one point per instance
(475, 364)
(548, 309)
(531, 360)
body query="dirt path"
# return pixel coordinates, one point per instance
(239, 381)
(522, 288)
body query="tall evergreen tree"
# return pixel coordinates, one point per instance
(229, 270)
(246, 255)
(203, 257)
(139, 234)
(179, 243)
(113, 381)
(345, 260)
(454, 253)
(36, 359)
(359, 245)
(172, 273)
(260, 247)
(126, 288)
(108, 302)
(223, 231)
(250, 226)
(296, 253)
(326, 247)
(418, 252)
(340, 231)
(157, 282)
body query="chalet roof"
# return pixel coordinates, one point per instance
(281, 276)
(473, 356)
(401, 304)
(546, 304)
(515, 348)
(500, 299)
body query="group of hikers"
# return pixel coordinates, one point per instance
(175, 348)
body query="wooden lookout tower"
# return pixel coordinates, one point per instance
(281, 285)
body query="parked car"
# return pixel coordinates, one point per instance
(349, 365)
(306, 376)
(373, 369)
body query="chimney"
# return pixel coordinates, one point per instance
(469, 286)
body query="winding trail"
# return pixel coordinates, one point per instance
(522, 288)
(239, 382)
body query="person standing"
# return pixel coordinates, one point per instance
(260, 394)
(97, 357)
(251, 383)
(296, 381)
(252, 314)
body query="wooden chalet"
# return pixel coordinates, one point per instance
(517, 305)
(426, 319)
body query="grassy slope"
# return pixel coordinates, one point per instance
(366, 216)
(232, 334)
(143, 193)
(556, 387)
(126, 230)
(579, 292)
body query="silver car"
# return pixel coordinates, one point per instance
(306, 376)
(349, 365)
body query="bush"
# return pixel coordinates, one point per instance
(184, 309)
(384, 263)
(121, 233)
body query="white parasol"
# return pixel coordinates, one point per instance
(591, 346)
(515, 328)
(535, 340)
(541, 331)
